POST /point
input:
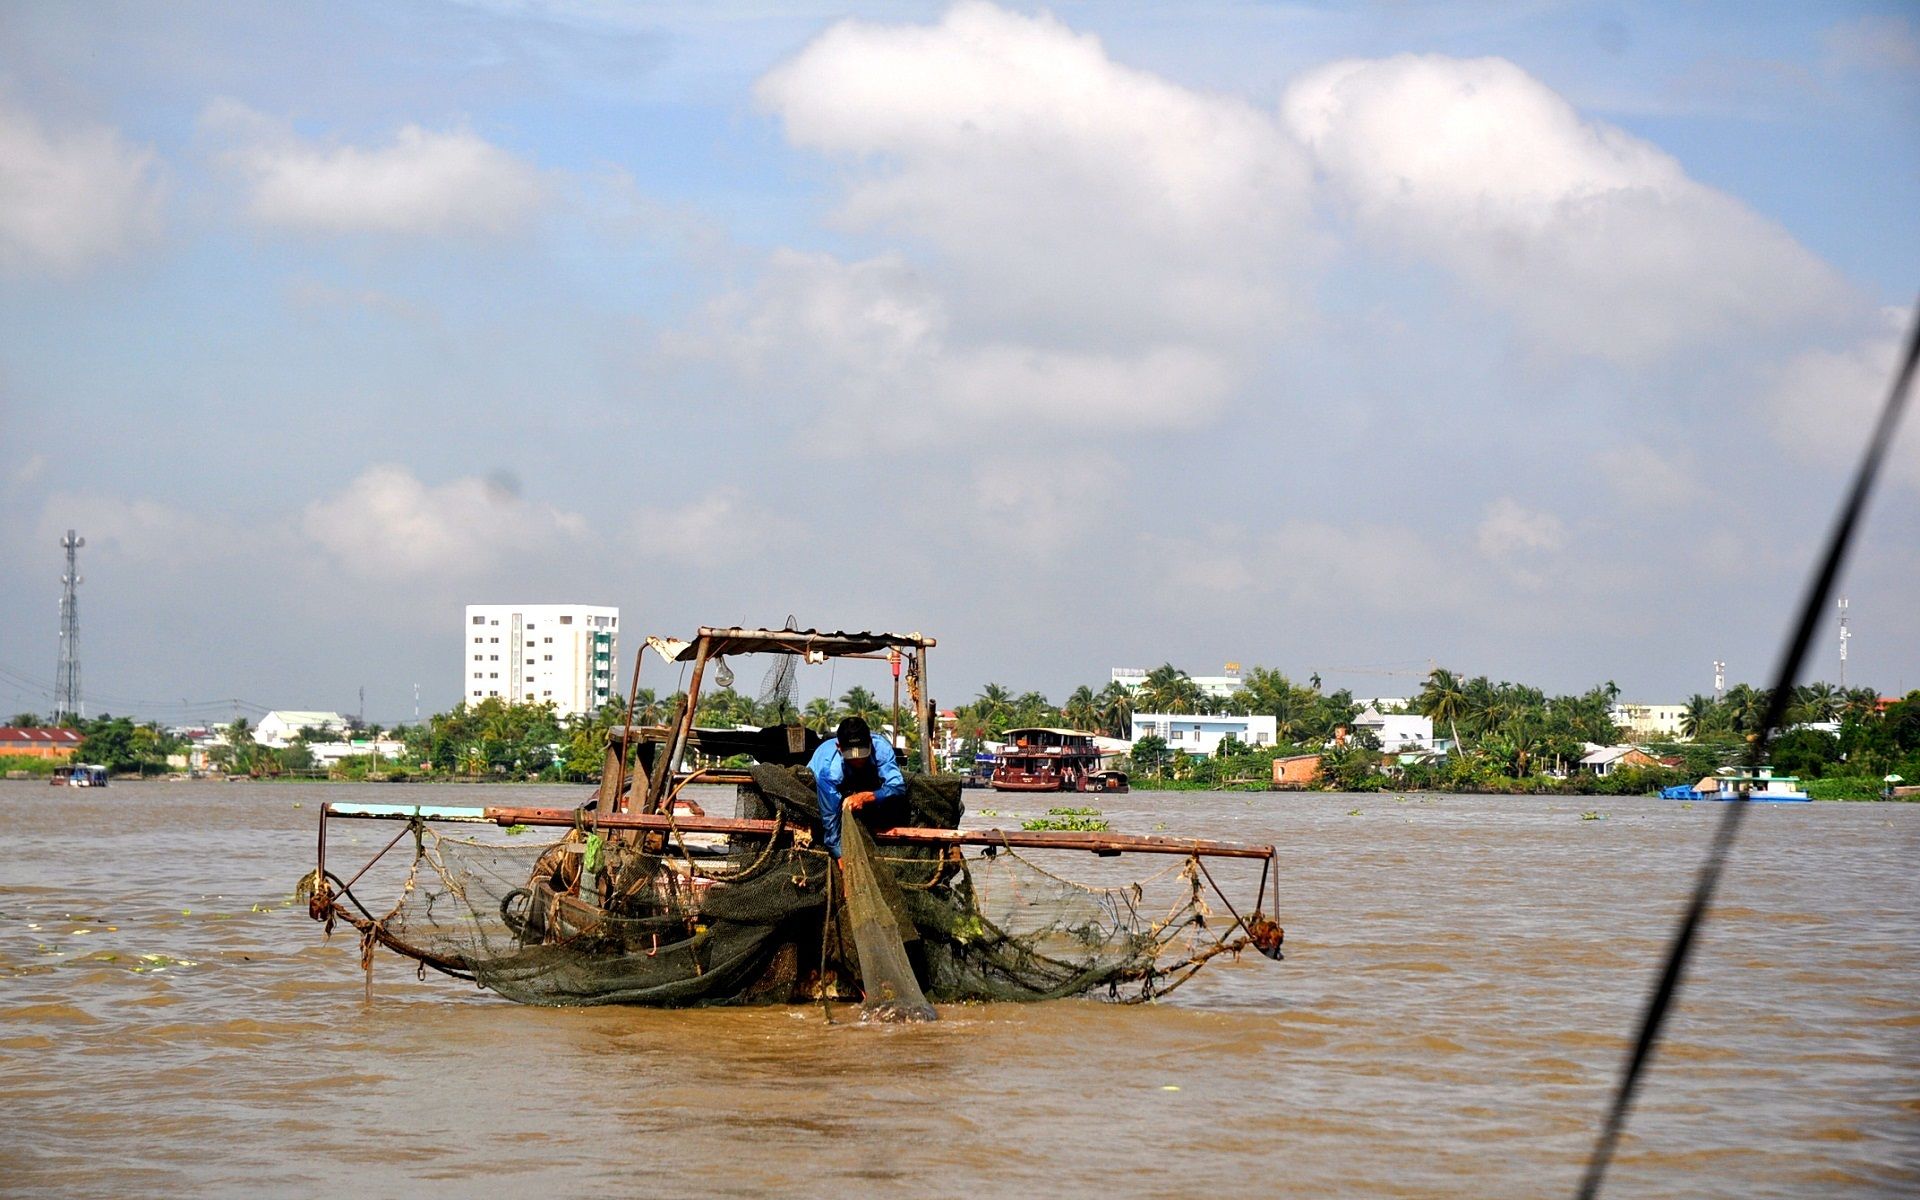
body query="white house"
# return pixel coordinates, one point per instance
(1605, 760)
(1202, 733)
(1399, 733)
(280, 727)
(562, 654)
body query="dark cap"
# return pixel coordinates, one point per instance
(856, 740)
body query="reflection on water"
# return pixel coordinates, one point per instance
(1462, 972)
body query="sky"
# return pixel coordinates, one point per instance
(1534, 340)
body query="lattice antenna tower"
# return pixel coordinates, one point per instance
(1719, 680)
(66, 685)
(1845, 636)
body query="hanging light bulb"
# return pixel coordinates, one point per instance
(724, 675)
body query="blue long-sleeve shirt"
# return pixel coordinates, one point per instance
(830, 772)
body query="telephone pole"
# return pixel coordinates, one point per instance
(66, 684)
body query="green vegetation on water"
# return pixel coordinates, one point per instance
(1077, 820)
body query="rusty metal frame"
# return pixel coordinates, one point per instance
(902, 835)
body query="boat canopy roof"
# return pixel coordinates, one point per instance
(809, 642)
(1080, 733)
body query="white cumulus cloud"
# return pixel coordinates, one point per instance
(723, 525)
(388, 524)
(421, 182)
(1059, 189)
(1597, 242)
(874, 339)
(1510, 528)
(1823, 403)
(71, 196)
(148, 531)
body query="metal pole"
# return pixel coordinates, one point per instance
(893, 661)
(683, 730)
(929, 761)
(611, 801)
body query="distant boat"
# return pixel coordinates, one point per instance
(79, 775)
(1766, 786)
(1053, 760)
(982, 773)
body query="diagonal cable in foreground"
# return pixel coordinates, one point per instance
(1821, 586)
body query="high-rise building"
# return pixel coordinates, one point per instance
(562, 654)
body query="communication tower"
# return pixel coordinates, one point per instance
(1845, 634)
(1719, 680)
(66, 684)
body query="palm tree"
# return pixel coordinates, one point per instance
(1699, 716)
(1861, 703)
(649, 709)
(859, 702)
(1443, 699)
(1078, 711)
(1819, 701)
(1527, 735)
(969, 725)
(1746, 705)
(1032, 708)
(1168, 689)
(994, 705)
(1113, 710)
(820, 715)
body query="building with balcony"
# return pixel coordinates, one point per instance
(1399, 733)
(558, 654)
(1651, 722)
(1202, 733)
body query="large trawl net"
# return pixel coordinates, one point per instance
(615, 919)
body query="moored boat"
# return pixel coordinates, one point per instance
(1043, 759)
(1764, 786)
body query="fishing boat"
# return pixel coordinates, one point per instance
(1041, 759)
(80, 775)
(1763, 786)
(622, 908)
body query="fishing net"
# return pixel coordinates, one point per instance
(626, 918)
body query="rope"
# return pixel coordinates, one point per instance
(1673, 970)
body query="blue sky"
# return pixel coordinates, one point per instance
(1527, 339)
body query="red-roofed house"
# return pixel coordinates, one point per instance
(38, 743)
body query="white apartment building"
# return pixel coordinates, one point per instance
(562, 654)
(1650, 721)
(1201, 733)
(1218, 686)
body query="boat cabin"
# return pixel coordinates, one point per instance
(79, 775)
(1726, 784)
(663, 752)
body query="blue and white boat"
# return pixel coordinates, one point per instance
(1725, 785)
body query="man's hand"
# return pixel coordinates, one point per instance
(857, 801)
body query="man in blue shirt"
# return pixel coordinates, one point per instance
(861, 774)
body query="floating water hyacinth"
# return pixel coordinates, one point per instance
(153, 964)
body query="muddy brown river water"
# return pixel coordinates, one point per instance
(1462, 974)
